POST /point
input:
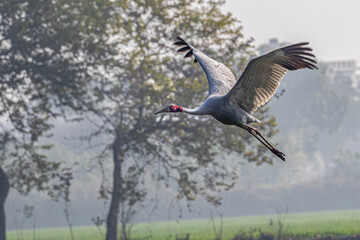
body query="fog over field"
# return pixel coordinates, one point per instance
(321, 148)
(316, 113)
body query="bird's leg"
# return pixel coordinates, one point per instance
(255, 132)
(259, 133)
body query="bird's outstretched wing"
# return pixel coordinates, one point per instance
(263, 74)
(220, 78)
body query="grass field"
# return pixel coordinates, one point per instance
(301, 224)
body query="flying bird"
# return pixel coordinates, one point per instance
(233, 102)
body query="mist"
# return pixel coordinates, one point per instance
(316, 115)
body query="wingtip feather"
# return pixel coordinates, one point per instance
(184, 49)
(302, 56)
(189, 54)
(179, 38)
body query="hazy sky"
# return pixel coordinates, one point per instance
(331, 26)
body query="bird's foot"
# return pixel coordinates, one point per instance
(279, 154)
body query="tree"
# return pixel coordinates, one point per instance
(180, 151)
(4, 190)
(47, 50)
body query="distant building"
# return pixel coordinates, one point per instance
(344, 72)
(274, 42)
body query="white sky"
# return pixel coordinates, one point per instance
(331, 26)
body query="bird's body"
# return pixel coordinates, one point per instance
(233, 102)
(229, 115)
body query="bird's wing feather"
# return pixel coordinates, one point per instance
(220, 78)
(262, 75)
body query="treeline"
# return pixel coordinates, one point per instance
(111, 63)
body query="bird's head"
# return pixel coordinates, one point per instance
(170, 108)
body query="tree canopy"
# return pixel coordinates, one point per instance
(47, 49)
(181, 151)
(113, 62)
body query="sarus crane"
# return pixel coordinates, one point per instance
(233, 102)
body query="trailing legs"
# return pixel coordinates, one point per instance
(256, 133)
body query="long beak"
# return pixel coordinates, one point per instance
(161, 111)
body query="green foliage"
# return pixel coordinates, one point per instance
(181, 151)
(149, 75)
(47, 51)
(114, 62)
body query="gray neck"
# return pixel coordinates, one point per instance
(195, 111)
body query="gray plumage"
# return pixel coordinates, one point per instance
(233, 102)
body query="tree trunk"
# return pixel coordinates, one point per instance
(112, 218)
(4, 190)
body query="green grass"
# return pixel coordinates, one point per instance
(301, 224)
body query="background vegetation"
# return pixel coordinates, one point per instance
(80, 82)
